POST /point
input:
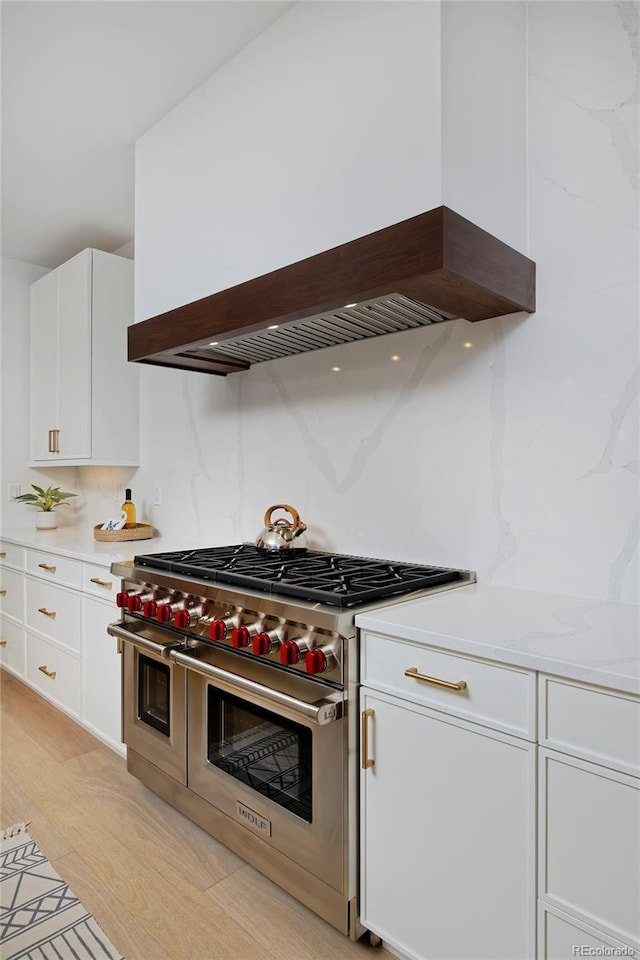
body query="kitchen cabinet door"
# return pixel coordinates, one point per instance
(589, 836)
(448, 835)
(84, 393)
(44, 365)
(102, 688)
(74, 358)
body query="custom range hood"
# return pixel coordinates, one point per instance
(434, 267)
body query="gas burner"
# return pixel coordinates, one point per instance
(328, 578)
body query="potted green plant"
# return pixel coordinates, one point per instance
(45, 501)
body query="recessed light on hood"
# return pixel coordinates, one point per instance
(431, 268)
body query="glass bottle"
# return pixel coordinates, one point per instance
(129, 509)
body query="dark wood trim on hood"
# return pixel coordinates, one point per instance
(437, 258)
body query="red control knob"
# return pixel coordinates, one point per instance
(289, 653)
(315, 661)
(182, 619)
(218, 629)
(240, 637)
(134, 603)
(262, 644)
(150, 608)
(122, 599)
(165, 611)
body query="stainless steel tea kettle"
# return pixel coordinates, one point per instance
(280, 534)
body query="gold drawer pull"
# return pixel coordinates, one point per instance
(45, 566)
(449, 684)
(367, 761)
(3, 643)
(47, 613)
(102, 583)
(2, 555)
(3, 593)
(48, 673)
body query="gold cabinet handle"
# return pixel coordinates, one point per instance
(45, 566)
(367, 761)
(3, 643)
(47, 613)
(3, 593)
(2, 555)
(102, 583)
(449, 684)
(48, 673)
(50, 441)
(56, 441)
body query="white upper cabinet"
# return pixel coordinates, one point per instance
(84, 393)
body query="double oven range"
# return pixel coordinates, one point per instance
(240, 701)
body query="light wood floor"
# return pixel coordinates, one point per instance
(160, 887)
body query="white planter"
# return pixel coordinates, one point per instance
(46, 520)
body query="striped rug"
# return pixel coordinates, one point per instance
(40, 918)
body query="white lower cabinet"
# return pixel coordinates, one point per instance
(590, 843)
(448, 834)
(102, 706)
(588, 819)
(55, 611)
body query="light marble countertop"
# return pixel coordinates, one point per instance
(596, 641)
(78, 542)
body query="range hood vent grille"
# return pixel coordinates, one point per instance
(433, 267)
(359, 322)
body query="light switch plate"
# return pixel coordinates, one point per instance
(14, 490)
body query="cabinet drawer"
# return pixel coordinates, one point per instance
(561, 937)
(589, 837)
(64, 687)
(12, 593)
(54, 611)
(12, 647)
(11, 555)
(98, 581)
(52, 567)
(591, 722)
(497, 696)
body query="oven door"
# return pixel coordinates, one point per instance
(154, 700)
(268, 749)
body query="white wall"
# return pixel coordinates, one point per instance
(516, 456)
(324, 128)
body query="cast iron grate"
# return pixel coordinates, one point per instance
(331, 578)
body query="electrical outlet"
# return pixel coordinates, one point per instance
(157, 495)
(14, 490)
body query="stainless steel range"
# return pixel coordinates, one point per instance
(240, 680)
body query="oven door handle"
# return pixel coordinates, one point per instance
(326, 710)
(160, 649)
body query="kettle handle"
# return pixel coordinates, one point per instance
(295, 516)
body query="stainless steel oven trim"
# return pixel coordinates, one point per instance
(326, 710)
(169, 754)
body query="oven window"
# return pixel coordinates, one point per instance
(153, 694)
(272, 755)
